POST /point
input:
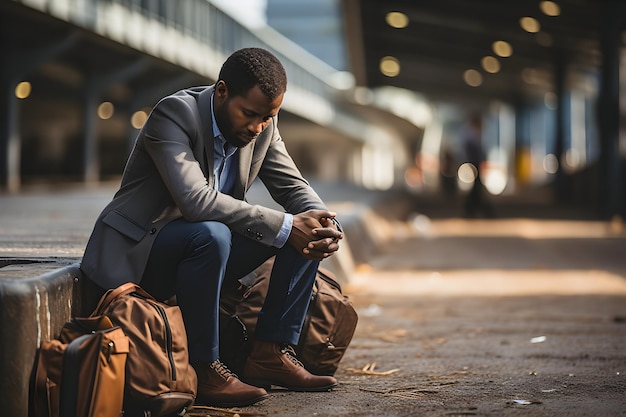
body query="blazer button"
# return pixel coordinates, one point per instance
(153, 230)
(259, 236)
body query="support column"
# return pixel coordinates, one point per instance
(91, 162)
(10, 146)
(94, 88)
(561, 191)
(18, 63)
(608, 110)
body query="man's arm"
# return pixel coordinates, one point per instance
(314, 231)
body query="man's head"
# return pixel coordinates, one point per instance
(248, 93)
(248, 67)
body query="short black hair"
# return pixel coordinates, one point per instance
(248, 67)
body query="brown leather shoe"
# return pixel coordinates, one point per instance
(270, 364)
(218, 386)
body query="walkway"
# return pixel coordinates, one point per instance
(503, 317)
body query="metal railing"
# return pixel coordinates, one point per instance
(199, 36)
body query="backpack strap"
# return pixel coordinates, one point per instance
(112, 294)
(70, 375)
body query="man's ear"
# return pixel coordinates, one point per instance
(221, 90)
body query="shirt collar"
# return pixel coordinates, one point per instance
(216, 130)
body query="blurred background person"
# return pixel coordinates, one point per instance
(476, 201)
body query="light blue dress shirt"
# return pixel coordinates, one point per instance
(223, 167)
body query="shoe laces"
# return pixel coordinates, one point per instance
(291, 355)
(221, 369)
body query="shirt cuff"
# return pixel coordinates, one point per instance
(284, 232)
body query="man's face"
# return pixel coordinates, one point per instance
(242, 118)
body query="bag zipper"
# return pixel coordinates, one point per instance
(168, 338)
(168, 332)
(244, 329)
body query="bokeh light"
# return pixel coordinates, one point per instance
(502, 49)
(490, 64)
(23, 90)
(138, 119)
(472, 78)
(550, 8)
(106, 110)
(390, 66)
(550, 163)
(467, 173)
(530, 24)
(397, 20)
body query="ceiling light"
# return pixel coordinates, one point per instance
(23, 89)
(530, 24)
(502, 48)
(105, 110)
(390, 66)
(397, 20)
(490, 64)
(550, 8)
(139, 118)
(472, 78)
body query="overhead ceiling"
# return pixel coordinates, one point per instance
(58, 57)
(445, 38)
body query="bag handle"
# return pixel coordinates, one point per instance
(112, 294)
(329, 277)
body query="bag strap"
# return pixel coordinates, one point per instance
(70, 375)
(112, 294)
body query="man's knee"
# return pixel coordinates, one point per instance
(213, 236)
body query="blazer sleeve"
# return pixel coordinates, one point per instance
(173, 128)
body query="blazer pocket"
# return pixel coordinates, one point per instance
(124, 225)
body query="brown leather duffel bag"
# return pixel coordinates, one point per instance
(80, 374)
(328, 328)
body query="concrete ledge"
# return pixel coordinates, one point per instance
(36, 299)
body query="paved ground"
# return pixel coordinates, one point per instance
(523, 315)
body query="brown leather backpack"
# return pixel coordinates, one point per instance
(159, 378)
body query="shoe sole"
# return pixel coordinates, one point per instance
(267, 385)
(232, 404)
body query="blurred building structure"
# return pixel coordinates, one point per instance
(548, 77)
(378, 91)
(317, 26)
(79, 78)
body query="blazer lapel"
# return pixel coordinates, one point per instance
(245, 153)
(245, 160)
(206, 161)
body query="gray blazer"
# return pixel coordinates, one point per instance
(169, 175)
